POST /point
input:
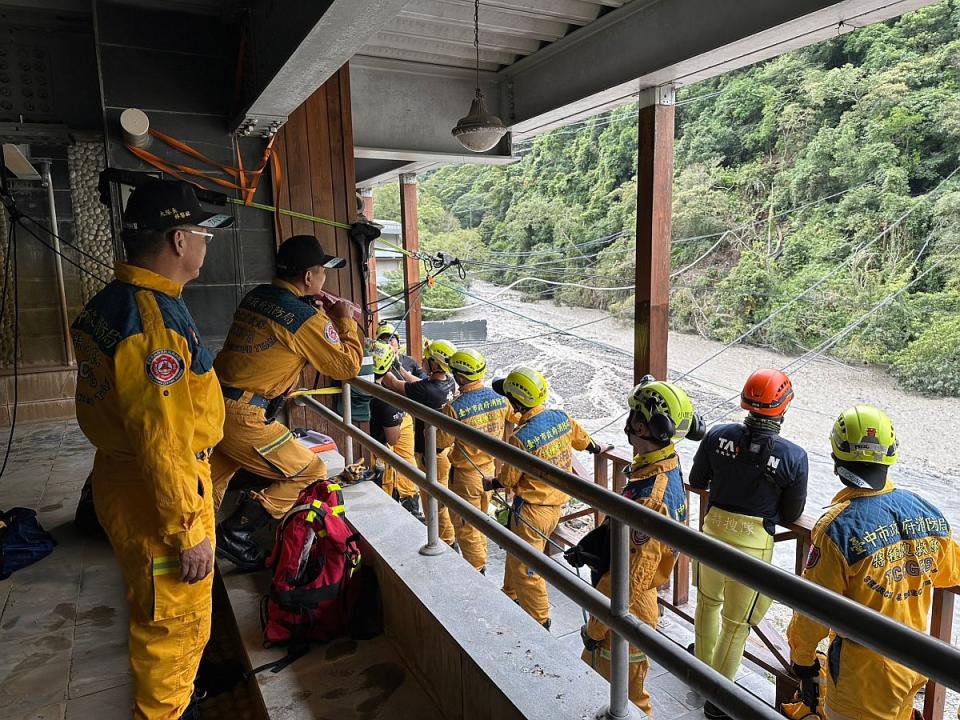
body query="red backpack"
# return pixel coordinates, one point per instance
(315, 555)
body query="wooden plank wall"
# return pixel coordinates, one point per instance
(315, 149)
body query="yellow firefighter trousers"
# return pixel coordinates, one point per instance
(169, 619)
(443, 476)
(269, 451)
(520, 582)
(468, 484)
(392, 480)
(599, 660)
(740, 606)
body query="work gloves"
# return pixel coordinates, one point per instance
(809, 676)
(595, 448)
(588, 642)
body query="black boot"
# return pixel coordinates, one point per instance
(235, 535)
(547, 623)
(412, 505)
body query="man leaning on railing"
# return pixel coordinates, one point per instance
(884, 548)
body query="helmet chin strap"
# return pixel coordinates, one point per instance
(851, 478)
(644, 459)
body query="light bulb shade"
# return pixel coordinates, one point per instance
(479, 131)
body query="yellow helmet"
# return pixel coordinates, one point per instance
(864, 434)
(440, 351)
(525, 385)
(665, 408)
(386, 330)
(470, 363)
(383, 358)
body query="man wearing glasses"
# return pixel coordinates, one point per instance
(147, 398)
(276, 331)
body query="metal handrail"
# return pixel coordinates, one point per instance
(926, 655)
(626, 627)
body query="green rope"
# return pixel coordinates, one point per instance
(314, 218)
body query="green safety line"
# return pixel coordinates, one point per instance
(314, 218)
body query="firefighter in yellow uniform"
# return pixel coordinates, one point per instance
(276, 331)
(483, 409)
(661, 414)
(880, 546)
(434, 392)
(148, 400)
(550, 434)
(394, 428)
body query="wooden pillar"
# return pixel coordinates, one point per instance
(366, 195)
(941, 627)
(411, 265)
(654, 220)
(315, 149)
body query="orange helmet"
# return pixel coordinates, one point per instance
(767, 392)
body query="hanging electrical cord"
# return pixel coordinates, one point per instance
(12, 251)
(852, 256)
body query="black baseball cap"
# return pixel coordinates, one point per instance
(163, 204)
(302, 252)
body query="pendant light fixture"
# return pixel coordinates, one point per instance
(478, 131)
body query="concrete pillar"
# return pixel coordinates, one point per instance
(411, 265)
(654, 219)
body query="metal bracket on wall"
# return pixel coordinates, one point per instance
(265, 126)
(661, 95)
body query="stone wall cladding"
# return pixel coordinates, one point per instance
(92, 229)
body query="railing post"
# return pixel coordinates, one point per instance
(348, 419)
(619, 605)
(681, 571)
(941, 627)
(433, 546)
(601, 476)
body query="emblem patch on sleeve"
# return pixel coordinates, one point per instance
(331, 334)
(813, 557)
(164, 367)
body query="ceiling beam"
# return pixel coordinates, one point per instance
(573, 12)
(677, 42)
(462, 34)
(437, 11)
(299, 46)
(436, 46)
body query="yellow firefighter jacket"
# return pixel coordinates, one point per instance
(147, 396)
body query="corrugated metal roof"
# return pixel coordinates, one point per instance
(440, 32)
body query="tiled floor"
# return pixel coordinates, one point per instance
(63, 642)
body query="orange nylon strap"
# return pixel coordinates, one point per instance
(277, 183)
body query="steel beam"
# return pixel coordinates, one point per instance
(646, 44)
(299, 46)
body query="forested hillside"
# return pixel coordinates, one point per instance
(829, 167)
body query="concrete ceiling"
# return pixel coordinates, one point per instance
(440, 32)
